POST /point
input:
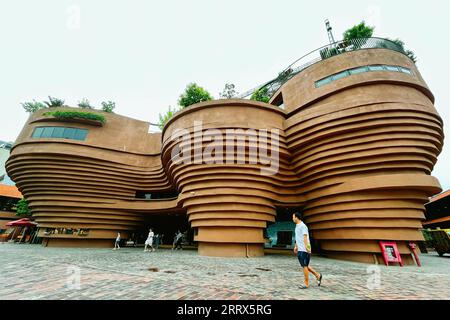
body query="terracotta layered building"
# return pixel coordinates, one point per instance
(358, 138)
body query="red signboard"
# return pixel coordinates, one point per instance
(390, 253)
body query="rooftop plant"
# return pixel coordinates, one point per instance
(228, 91)
(84, 104)
(33, 106)
(76, 114)
(108, 106)
(54, 102)
(193, 94)
(164, 118)
(360, 30)
(261, 94)
(401, 44)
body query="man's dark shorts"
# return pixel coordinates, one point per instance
(303, 258)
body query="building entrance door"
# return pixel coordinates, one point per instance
(166, 225)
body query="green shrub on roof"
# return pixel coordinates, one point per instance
(76, 114)
(261, 94)
(193, 94)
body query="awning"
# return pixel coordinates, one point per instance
(25, 222)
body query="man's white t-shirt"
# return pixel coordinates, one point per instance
(300, 230)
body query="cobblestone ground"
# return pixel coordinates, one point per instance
(35, 272)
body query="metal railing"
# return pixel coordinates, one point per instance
(321, 54)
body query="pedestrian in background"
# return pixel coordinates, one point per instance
(117, 243)
(177, 241)
(157, 239)
(149, 241)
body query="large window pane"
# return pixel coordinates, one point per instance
(340, 75)
(405, 70)
(58, 132)
(376, 68)
(392, 68)
(37, 132)
(47, 133)
(359, 70)
(69, 133)
(323, 82)
(80, 134)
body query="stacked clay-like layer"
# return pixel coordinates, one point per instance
(364, 147)
(229, 200)
(88, 184)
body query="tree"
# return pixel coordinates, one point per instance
(228, 91)
(54, 102)
(84, 103)
(164, 118)
(360, 30)
(108, 106)
(192, 95)
(22, 208)
(261, 94)
(401, 44)
(32, 106)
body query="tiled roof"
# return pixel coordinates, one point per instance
(9, 191)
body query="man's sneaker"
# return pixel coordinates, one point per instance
(302, 286)
(319, 281)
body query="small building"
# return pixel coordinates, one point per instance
(9, 196)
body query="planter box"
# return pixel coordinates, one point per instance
(90, 122)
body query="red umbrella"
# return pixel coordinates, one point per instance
(25, 222)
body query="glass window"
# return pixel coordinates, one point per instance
(58, 132)
(340, 75)
(80, 134)
(323, 81)
(37, 132)
(405, 70)
(69, 133)
(392, 68)
(47, 132)
(359, 70)
(376, 68)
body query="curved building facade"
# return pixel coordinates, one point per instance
(350, 141)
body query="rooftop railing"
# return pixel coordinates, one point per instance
(321, 54)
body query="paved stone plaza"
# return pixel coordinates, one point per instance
(35, 272)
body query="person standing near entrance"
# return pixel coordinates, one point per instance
(116, 244)
(303, 250)
(149, 241)
(177, 241)
(157, 240)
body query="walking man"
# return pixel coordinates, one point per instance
(303, 250)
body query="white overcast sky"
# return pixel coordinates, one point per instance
(142, 54)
